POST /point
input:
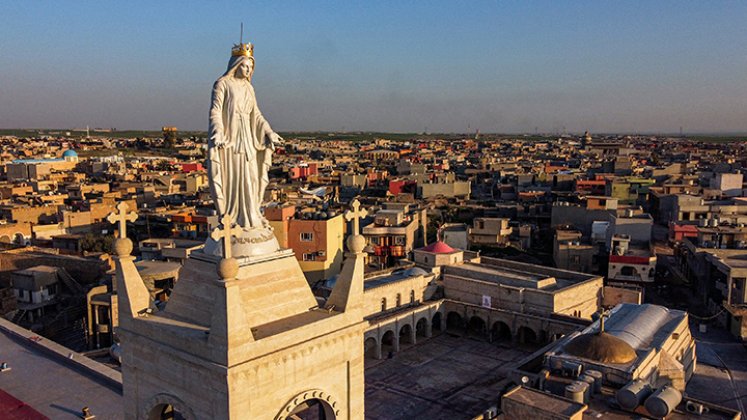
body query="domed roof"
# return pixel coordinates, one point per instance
(69, 153)
(604, 348)
(439, 247)
(415, 271)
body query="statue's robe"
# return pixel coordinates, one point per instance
(238, 171)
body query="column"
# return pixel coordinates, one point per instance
(96, 325)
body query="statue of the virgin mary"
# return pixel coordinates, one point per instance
(240, 147)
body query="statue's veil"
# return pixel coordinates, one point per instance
(234, 62)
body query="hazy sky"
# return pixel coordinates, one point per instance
(450, 66)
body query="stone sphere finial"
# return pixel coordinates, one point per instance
(228, 268)
(356, 243)
(122, 247)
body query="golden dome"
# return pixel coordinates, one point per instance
(601, 347)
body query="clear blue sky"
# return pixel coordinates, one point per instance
(450, 66)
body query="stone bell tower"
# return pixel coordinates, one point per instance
(241, 338)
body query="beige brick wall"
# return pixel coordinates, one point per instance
(372, 298)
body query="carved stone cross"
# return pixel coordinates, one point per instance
(355, 215)
(225, 232)
(121, 217)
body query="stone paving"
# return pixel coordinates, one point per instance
(445, 377)
(721, 373)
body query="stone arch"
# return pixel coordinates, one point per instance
(389, 342)
(476, 326)
(436, 321)
(454, 321)
(501, 331)
(166, 406)
(527, 335)
(19, 239)
(421, 327)
(406, 334)
(371, 348)
(312, 404)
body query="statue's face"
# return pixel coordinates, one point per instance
(244, 70)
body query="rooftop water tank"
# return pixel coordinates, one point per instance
(588, 379)
(663, 401)
(632, 395)
(598, 378)
(576, 391)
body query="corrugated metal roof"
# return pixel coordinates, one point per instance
(637, 324)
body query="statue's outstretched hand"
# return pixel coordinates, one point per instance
(275, 140)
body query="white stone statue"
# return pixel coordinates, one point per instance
(240, 147)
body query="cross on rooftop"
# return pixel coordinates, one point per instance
(225, 233)
(355, 215)
(121, 217)
(602, 314)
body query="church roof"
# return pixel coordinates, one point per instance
(439, 247)
(70, 153)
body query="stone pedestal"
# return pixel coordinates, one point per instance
(254, 346)
(252, 242)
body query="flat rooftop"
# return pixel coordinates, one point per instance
(393, 277)
(515, 274)
(43, 377)
(157, 270)
(543, 402)
(504, 275)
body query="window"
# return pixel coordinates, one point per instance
(309, 257)
(307, 236)
(412, 296)
(628, 271)
(399, 240)
(383, 304)
(399, 299)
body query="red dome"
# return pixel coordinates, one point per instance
(439, 247)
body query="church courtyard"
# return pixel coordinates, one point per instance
(445, 377)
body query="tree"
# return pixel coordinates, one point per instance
(97, 243)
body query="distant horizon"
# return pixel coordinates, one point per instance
(333, 66)
(102, 130)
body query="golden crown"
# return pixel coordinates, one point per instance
(246, 50)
